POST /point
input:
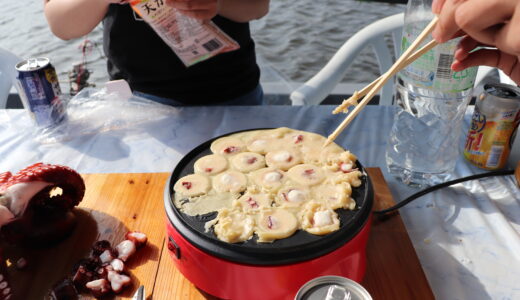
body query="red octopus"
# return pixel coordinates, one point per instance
(36, 204)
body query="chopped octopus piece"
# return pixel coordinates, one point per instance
(308, 172)
(283, 159)
(137, 237)
(109, 267)
(273, 176)
(100, 247)
(322, 218)
(125, 249)
(118, 281)
(81, 277)
(90, 263)
(282, 156)
(285, 197)
(117, 265)
(102, 272)
(21, 263)
(231, 149)
(99, 287)
(294, 196)
(186, 184)
(346, 167)
(252, 202)
(271, 222)
(107, 256)
(298, 138)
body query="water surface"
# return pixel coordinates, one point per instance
(294, 40)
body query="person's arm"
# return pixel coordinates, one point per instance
(70, 19)
(243, 10)
(235, 10)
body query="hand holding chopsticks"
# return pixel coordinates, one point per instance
(406, 58)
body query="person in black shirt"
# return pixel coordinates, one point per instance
(138, 55)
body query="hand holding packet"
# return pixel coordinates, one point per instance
(192, 40)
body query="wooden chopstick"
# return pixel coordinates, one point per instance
(398, 65)
(357, 94)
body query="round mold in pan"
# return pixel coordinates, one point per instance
(299, 247)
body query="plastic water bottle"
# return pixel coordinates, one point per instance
(424, 141)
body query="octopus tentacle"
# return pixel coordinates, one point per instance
(59, 176)
(36, 203)
(4, 177)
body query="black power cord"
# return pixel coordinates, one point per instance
(442, 185)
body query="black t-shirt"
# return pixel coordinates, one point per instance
(138, 55)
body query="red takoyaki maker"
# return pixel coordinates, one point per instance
(251, 270)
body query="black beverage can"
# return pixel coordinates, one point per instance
(39, 89)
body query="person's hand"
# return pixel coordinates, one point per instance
(491, 23)
(198, 9)
(464, 58)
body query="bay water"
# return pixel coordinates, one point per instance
(294, 41)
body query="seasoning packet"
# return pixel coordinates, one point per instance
(191, 39)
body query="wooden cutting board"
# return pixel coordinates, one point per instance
(117, 203)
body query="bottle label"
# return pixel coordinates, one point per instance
(433, 70)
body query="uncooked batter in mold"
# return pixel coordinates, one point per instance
(270, 183)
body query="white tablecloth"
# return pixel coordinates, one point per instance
(467, 237)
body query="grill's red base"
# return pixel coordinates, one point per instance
(230, 280)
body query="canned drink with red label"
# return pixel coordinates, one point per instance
(40, 91)
(493, 126)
